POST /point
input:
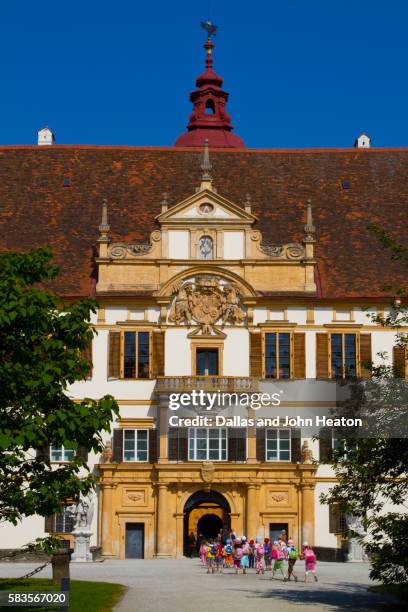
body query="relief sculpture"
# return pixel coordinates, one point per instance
(206, 301)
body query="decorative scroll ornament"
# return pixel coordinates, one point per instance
(293, 250)
(206, 301)
(123, 250)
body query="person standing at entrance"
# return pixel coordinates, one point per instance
(203, 552)
(192, 545)
(259, 557)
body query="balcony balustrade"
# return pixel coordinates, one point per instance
(231, 384)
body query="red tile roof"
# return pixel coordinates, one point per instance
(36, 208)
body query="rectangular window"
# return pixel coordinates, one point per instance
(277, 355)
(61, 453)
(278, 445)
(136, 354)
(207, 444)
(64, 522)
(343, 355)
(207, 362)
(135, 445)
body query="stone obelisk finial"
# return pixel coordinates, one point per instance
(206, 167)
(104, 229)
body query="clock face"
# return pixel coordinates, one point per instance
(206, 208)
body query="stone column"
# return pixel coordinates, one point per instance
(252, 514)
(179, 535)
(163, 432)
(106, 528)
(163, 522)
(308, 512)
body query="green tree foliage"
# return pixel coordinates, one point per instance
(41, 354)
(372, 474)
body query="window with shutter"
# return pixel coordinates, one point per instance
(117, 450)
(365, 355)
(260, 444)
(337, 519)
(299, 355)
(255, 355)
(277, 355)
(399, 360)
(152, 445)
(325, 445)
(322, 356)
(237, 439)
(177, 444)
(295, 455)
(49, 523)
(114, 355)
(87, 355)
(158, 354)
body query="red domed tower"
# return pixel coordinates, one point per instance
(209, 119)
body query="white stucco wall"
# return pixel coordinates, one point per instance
(179, 247)
(233, 245)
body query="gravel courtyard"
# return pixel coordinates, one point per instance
(183, 585)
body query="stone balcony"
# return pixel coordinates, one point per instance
(231, 384)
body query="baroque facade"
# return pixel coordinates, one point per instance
(210, 288)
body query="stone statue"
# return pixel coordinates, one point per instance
(307, 454)
(82, 511)
(356, 551)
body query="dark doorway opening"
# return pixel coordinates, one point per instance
(275, 530)
(210, 525)
(134, 545)
(205, 515)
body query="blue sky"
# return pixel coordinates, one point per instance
(301, 73)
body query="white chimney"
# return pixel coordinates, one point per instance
(363, 142)
(45, 137)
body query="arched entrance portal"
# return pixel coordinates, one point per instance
(205, 514)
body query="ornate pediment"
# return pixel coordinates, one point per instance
(206, 300)
(206, 207)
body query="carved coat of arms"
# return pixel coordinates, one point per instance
(206, 301)
(207, 471)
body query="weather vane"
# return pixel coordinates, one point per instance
(209, 27)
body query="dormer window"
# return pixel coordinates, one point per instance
(206, 248)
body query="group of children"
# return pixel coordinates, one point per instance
(241, 554)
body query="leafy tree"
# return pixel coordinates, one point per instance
(373, 471)
(42, 343)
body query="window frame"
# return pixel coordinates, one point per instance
(63, 450)
(135, 460)
(210, 344)
(122, 352)
(343, 333)
(64, 516)
(207, 450)
(291, 353)
(278, 460)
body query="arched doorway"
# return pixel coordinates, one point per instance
(205, 514)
